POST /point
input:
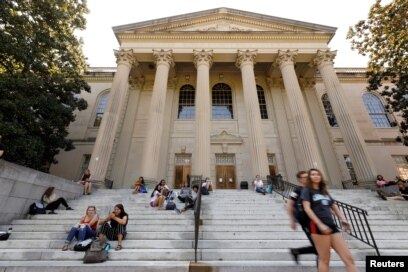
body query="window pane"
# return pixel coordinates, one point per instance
(222, 102)
(186, 109)
(103, 101)
(376, 110)
(329, 111)
(262, 102)
(402, 166)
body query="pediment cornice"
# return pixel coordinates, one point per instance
(225, 138)
(215, 23)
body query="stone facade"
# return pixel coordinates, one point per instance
(144, 131)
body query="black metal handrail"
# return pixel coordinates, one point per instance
(357, 217)
(197, 212)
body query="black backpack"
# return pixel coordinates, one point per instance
(83, 245)
(37, 208)
(170, 204)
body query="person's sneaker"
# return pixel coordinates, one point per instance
(69, 209)
(65, 247)
(295, 255)
(382, 194)
(52, 212)
(89, 193)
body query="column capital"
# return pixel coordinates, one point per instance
(286, 57)
(274, 82)
(125, 57)
(163, 57)
(323, 57)
(246, 57)
(307, 83)
(203, 57)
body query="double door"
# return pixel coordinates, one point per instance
(226, 178)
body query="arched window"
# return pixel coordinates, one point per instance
(376, 110)
(222, 102)
(329, 111)
(103, 101)
(186, 108)
(262, 102)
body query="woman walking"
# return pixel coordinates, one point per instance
(319, 206)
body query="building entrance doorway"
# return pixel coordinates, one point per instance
(183, 170)
(225, 171)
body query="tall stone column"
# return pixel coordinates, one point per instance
(202, 151)
(259, 159)
(285, 137)
(304, 127)
(107, 131)
(151, 153)
(353, 139)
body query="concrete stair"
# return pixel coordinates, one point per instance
(240, 230)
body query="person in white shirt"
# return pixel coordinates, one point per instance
(52, 201)
(258, 185)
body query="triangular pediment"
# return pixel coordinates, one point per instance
(225, 138)
(223, 20)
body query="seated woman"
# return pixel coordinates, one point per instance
(206, 186)
(116, 230)
(258, 185)
(185, 193)
(158, 195)
(139, 184)
(86, 181)
(402, 189)
(85, 229)
(52, 201)
(381, 182)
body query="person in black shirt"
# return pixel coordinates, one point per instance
(320, 207)
(403, 193)
(116, 230)
(296, 213)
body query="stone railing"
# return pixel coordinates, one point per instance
(21, 186)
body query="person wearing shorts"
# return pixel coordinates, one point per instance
(320, 207)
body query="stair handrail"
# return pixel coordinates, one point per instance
(197, 212)
(357, 217)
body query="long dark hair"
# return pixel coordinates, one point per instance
(49, 191)
(141, 180)
(322, 184)
(122, 210)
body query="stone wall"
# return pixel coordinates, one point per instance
(21, 186)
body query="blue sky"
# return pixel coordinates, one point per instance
(99, 40)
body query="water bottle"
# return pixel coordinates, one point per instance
(107, 247)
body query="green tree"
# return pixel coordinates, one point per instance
(383, 37)
(41, 64)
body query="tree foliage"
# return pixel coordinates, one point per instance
(41, 64)
(383, 37)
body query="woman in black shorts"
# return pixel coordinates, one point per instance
(319, 206)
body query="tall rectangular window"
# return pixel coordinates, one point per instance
(402, 166)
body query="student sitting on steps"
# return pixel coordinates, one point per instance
(85, 229)
(116, 229)
(52, 201)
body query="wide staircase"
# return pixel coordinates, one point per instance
(240, 231)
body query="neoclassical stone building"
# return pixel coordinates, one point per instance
(229, 94)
